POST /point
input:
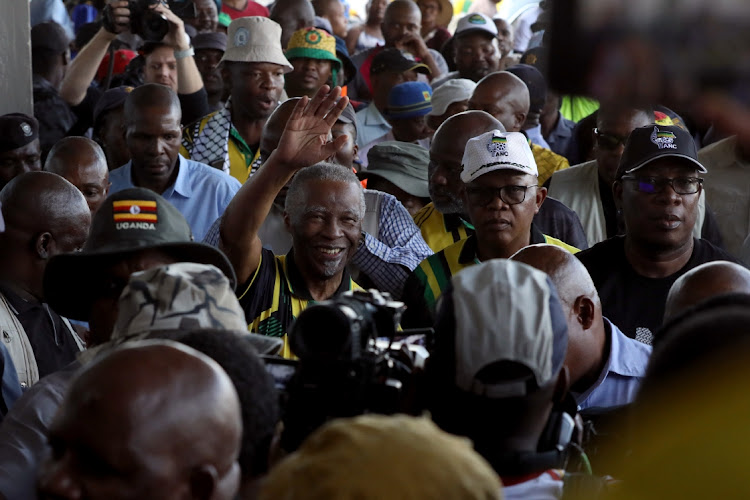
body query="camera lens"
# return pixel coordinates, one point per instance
(323, 332)
(155, 27)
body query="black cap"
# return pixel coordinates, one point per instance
(649, 143)
(535, 82)
(396, 61)
(17, 130)
(111, 99)
(129, 221)
(215, 41)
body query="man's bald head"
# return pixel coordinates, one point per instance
(274, 127)
(703, 282)
(45, 215)
(582, 307)
(292, 15)
(446, 153)
(172, 423)
(82, 163)
(504, 96)
(151, 95)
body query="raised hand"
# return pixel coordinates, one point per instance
(306, 137)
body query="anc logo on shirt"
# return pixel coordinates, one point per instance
(498, 146)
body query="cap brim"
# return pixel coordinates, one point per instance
(70, 279)
(701, 168)
(406, 183)
(471, 31)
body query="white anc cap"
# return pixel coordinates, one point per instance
(476, 23)
(497, 150)
(454, 90)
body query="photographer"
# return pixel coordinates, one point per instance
(175, 46)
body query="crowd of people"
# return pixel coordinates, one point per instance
(273, 252)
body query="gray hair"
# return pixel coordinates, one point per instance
(323, 171)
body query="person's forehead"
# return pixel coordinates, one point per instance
(665, 167)
(256, 66)
(473, 39)
(310, 59)
(623, 121)
(402, 13)
(210, 52)
(447, 151)
(153, 115)
(336, 196)
(31, 148)
(161, 54)
(205, 4)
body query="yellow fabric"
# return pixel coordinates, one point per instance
(547, 162)
(432, 225)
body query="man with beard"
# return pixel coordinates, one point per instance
(323, 211)
(476, 51)
(254, 67)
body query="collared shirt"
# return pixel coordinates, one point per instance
(371, 125)
(276, 294)
(535, 136)
(50, 338)
(561, 134)
(386, 259)
(621, 376)
(433, 275)
(199, 192)
(441, 230)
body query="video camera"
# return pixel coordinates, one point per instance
(343, 369)
(148, 24)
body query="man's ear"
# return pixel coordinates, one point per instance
(520, 119)
(44, 245)
(585, 311)
(541, 195)
(203, 482)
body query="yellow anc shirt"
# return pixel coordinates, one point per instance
(439, 230)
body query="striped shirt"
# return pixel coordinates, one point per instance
(441, 230)
(276, 294)
(432, 277)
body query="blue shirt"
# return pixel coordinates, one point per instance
(371, 125)
(199, 192)
(535, 136)
(621, 376)
(561, 135)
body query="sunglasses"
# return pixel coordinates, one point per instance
(609, 141)
(652, 185)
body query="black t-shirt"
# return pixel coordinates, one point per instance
(633, 302)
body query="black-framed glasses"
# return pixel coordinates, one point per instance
(609, 141)
(510, 195)
(651, 185)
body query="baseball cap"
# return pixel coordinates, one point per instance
(347, 458)
(122, 58)
(649, 143)
(455, 90)
(111, 99)
(408, 100)
(129, 221)
(476, 23)
(17, 130)
(348, 115)
(402, 163)
(497, 150)
(506, 311)
(397, 61)
(255, 39)
(535, 82)
(313, 43)
(214, 40)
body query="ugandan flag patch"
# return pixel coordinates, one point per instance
(134, 211)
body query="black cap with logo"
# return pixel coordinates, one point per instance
(649, 143)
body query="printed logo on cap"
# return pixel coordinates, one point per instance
(498, 146)
(426, 95)
(26, 129)
(477, 19)
(241, 36)
(663, 140)
(135, 214)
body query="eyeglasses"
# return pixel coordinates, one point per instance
(609, 141)
(651, 185)
(510, 195)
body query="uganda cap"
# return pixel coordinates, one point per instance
(454, 90)
(409, 100)
(255, 39)
(506, 311)
(129, 221)
(17, 130)
(213, 41)
(382, 457)
(397, 61)
(476, 23)
(652, 142)
(497, 150)
(402, 163)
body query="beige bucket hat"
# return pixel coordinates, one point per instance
(255, 39)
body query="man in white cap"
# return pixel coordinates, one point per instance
(476, 50)
(501, 195)
(450, 99)
(253, 69)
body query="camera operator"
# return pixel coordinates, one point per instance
(173, 50)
